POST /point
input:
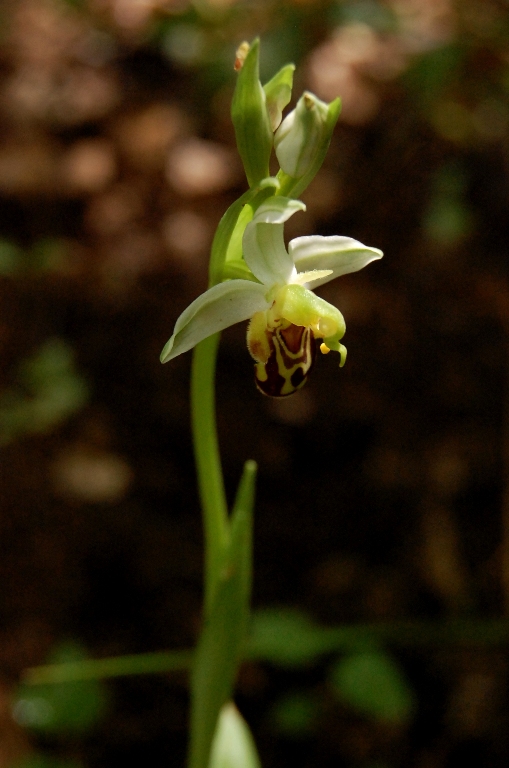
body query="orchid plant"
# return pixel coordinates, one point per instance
(253, 276)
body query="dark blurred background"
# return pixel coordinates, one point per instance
(382, 493)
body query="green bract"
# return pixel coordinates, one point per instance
(277, 292)
(251, 119)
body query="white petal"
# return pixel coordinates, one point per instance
(263, 243)
(339, 254)
(216, 309)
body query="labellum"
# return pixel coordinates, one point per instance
(292, 353)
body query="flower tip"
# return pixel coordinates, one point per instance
(240, 55)
(166, 355)
(309, 100)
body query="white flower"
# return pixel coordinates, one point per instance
(286, 317)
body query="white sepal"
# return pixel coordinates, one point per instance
(338, 254)
(216, 309)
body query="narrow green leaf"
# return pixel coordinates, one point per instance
(160, 662)
(221, 644)
(282, 636)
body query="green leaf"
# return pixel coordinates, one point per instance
(160, 662)
(373, 684)
(233, 745)
(221, 644)
(251, 119)
(64, 707)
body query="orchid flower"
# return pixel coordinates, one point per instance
(286, 317)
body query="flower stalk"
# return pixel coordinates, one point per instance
(208, 463)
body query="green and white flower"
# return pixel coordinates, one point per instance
(286, 316)
(300, 135)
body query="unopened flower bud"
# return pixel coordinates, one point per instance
(299, 136)
(233, 743)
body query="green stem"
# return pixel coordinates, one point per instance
(208, 462)
(211, 687)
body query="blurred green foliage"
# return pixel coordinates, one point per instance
(11, 258)
(288, 638)
(48, 390)
(45, 256)
(448, 218)
(62, 708)
(40, 760)
(294, 714)
(365, 678)
(373, 684)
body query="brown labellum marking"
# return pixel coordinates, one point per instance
(292, 355)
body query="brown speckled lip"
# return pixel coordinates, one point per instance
(288, 370)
